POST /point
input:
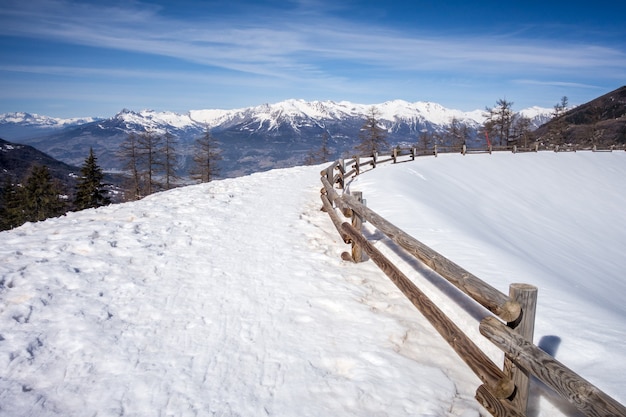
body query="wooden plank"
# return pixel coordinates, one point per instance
(328, 207)
(497, 407)
(334, 198)
(489, 297)
(499, 384)
(582, 394)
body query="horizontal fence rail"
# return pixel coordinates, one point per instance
(504, 391)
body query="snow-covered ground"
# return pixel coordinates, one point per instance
(230, 298)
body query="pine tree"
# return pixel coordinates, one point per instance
(90, 191)
(372, 135)
(205, 158)
(11, 211)
(42, 197)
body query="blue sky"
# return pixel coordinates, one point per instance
(68, 58)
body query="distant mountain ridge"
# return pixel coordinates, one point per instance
(252, 139)
(18, 125)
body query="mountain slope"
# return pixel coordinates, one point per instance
(20, 125)
(230, 298)
(601, 121)
(257, 138)
(16, 161)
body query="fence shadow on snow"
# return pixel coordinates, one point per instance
(507, 320)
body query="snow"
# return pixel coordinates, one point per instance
(392, 111)
(157, 119)
(32, 119)
(230, 298)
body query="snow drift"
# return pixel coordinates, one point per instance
(230, 298)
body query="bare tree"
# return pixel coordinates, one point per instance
(206, 155)
(558, 127)
(170, 158)
(320, 155)
(151, 158)
(129, 152)
(521, 130)
(457, 133)
(499, 120)
(372, 135)
(425, 140)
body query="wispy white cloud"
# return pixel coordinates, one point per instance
(555, 83)
(302, 49)
(294, 44)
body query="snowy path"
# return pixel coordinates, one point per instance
(226, 299)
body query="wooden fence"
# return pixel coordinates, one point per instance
(504, 390)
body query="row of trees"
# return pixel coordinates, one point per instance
(502, 126)
(151, 161)
(40, 196)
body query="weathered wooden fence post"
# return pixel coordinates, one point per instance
(435, 150)
(357, 166)
(357, 223)
(412, 153)
(330, 176)
(526, 296)
(464, 150)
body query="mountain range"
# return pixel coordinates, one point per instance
(251, 139)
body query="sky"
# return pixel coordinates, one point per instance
(67, 58)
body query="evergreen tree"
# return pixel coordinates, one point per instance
(11, 211)
(372, 135)
(42, 198)
(90, 190)
(206, 154)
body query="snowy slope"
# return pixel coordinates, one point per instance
(230, 298)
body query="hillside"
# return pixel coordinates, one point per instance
(230, 298)
(601, 121)
(16, 160)
(258, 138)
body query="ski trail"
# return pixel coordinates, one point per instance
(216, 299)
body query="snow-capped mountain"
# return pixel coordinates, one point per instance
(253, 138)
(18, 125)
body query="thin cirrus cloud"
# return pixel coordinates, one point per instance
(299, 46)
(281, 47)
